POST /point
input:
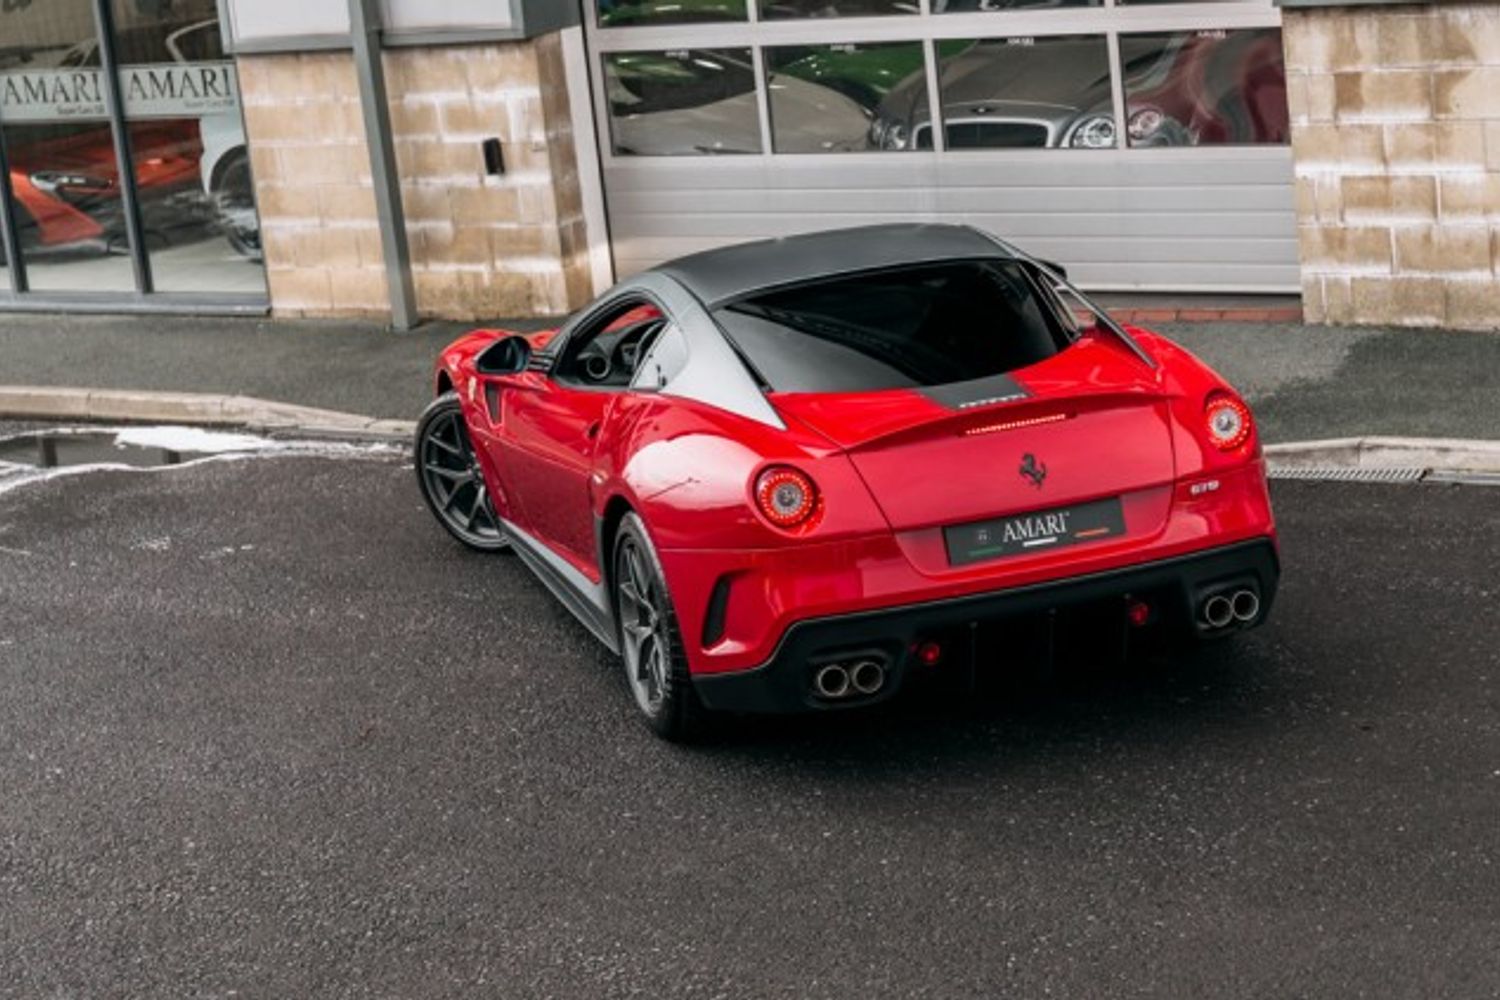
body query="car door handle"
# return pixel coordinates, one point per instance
(592, 431)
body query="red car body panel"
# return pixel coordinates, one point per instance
(1110, 416)
(687, 468)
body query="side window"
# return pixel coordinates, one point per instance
(606, 353)
(663, 360)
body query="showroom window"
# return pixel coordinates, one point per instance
(1207, 87)
(873, 76)
(683, 102)
(830, 98)
(625, 13)
(181, 219)
(1027, 93)
(974, 6)
(772, 10)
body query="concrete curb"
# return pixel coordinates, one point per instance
(206, 410)
(194, 409)
(1438, 454)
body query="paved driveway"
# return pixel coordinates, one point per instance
(265, 732)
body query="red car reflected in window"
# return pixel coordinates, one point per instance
(66, 182)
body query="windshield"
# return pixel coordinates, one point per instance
(916, 326)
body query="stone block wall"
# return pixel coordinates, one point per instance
(482, 247)
(1396, 138)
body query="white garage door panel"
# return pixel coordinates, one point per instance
(1194, 219)
(1270, 166)
(1248, 229)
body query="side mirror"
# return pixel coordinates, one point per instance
(506, 356)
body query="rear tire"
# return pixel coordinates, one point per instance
(450, 478)
(651, 646)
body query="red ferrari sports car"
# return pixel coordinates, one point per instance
(809, 473)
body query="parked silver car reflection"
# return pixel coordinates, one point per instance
(1009, 93)
(704, 102)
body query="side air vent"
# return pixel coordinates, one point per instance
(718, 612)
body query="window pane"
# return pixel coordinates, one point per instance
(192, 165)
(1201, 88)
(622, 13)
(1026, 93)
(825, 98)
(969, 6)
(925, 325)
(65, 177)
(774, 9)
(683, 102)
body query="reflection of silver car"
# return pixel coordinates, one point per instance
(1043, 93)
(704, 102)
(963, 6)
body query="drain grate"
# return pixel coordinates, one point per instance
(1346, 474)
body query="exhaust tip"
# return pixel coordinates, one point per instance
(1218, 611)
(867, 677)
(1246, 605)
(831, 681)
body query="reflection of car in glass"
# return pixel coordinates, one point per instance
(66, 184)
(704, 101)
(1053, 93)
(617, 13)
(864, 73)
(776, 9)
(1181, 90)
(964, 6)
(66, 177)
(1192, 88)
(813, 474)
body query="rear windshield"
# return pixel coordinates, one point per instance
(926, 325)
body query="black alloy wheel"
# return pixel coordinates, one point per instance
(650, 641)
(451, 481)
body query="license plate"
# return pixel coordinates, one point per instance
(1038, 531)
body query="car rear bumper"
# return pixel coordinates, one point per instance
(1175, 589)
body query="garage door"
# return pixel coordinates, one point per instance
(1144, 145)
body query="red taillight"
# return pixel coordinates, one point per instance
(786, 497)
(1228, 421)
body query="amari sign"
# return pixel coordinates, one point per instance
(170, 90)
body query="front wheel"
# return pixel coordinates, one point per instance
(452, 484)
(650, 641)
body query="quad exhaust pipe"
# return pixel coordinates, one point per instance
(1224, 609)
(832, 681)
(867, 677)
(838, 681)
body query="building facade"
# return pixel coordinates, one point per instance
(487, 158)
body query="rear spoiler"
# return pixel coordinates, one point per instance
(1060, 276)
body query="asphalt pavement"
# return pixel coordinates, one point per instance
(266, 732)
(1307, 383)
